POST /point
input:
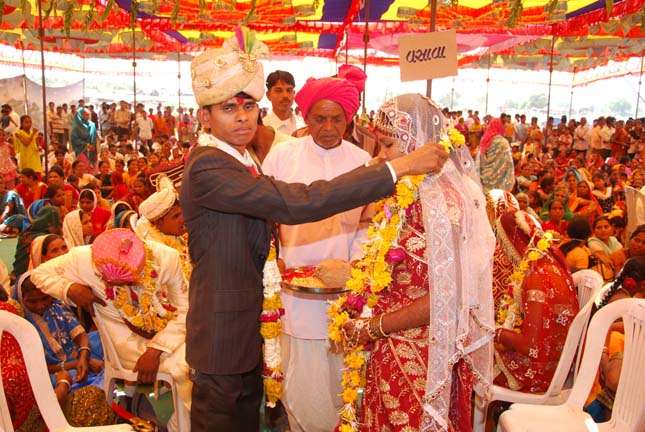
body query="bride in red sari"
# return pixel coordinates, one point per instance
(527, 355)
(433, 342)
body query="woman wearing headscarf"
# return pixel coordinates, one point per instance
(418, 378)
(77, 228)
(495, 158)
(559, 194)
(88, 202)
(12, 204)
(46, 247)
(83, 139)
(47, 222)
(540, 307)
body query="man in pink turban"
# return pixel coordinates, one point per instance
(345, 90)
(311, 400)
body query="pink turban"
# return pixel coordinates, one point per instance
(343, 90)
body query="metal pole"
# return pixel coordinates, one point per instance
(548, 101)
(433, 23)
(366, 40)
(452, 95)
(487, 84)
(134, 69)
(640, 80)
(83, 77)
(178, 77)
(24, 78)
(571, 100)
(41, 36)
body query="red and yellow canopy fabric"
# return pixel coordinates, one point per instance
(496, 33)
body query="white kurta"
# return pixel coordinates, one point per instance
(312, 372)
(287, 126)
(54, 277)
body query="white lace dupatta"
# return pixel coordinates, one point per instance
(459, 252)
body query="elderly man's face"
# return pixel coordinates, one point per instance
(327, 123)
(233, 121)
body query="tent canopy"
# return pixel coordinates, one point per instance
(496, 33)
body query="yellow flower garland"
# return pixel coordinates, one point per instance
(373, 274)
(179, 246)
(271, 328)
(510, 314)
(147, 313)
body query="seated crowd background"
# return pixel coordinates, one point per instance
(101, 167)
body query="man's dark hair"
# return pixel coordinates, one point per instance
(279, 75)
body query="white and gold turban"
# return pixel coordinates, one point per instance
(160, 202)
(221, 73)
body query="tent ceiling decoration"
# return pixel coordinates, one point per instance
(495, 33)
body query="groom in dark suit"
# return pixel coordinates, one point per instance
(229, 210)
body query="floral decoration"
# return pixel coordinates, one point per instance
(139, 304)
(270, 328)
(371, 276)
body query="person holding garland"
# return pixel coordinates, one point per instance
(139, 290)
(323, 154)
(417, 274)
(229, 209)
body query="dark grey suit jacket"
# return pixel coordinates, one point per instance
(228, 214)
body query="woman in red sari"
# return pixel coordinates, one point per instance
(87, 202)
(418, 380)
(526, 361)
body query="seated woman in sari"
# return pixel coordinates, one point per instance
(635, 247)
(585, 203)
(602, 245)
(535, 318)
(88, 202)
(77, 229)
(67, 346)
(575, 250)
(630, 283)
(417, 378)
(47, 222)
(558, 194)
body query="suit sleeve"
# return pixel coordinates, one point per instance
(220, 183)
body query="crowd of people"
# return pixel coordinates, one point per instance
(166, 227)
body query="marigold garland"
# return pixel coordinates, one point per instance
(270, 329)
(179, 246)
(510, 314)
(139, 304)
(373, 274)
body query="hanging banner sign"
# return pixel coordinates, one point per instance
(425, 56)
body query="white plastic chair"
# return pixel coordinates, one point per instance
(555, 393)
(113, 370)
(628, 414)
(588, 282)
(34, 357)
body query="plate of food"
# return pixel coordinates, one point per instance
(329, 277)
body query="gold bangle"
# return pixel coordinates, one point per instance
(371, 328)
(64, 381)
(380, 326)
(85, 348)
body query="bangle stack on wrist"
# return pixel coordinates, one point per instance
(64, 381)
(85, 348)
(62, 365)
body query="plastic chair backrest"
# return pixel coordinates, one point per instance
(628, 412)
(588, 283)
(572, 345)
(29, 342)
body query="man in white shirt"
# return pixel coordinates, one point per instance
(280, 92)
(595, 140)
(12, 119)
(322, 155)
(581, 136)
